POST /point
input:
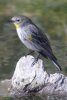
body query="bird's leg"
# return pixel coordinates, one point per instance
(30, 52)
(36, 59)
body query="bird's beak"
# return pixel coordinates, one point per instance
(9, 21)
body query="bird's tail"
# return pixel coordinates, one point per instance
(53, 59)
(55, 62)
(57, 65)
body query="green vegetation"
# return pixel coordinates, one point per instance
(51, 14)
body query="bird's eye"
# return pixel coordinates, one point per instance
(17, 20)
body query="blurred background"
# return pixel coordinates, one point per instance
(49, 15)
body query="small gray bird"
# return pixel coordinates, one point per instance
(33, 38)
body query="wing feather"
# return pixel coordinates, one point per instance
(40, 38)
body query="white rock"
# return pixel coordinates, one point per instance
(25, 73)
(28, 77)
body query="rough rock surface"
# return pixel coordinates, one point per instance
(31, 79)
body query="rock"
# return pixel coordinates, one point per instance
(5, 88)
(29, 79)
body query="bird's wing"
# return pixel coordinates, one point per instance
(39, 38)
(42, 42)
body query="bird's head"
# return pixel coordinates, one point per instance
(18, 20)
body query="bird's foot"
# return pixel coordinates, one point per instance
(35, 60)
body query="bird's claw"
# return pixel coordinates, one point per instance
(35, 61)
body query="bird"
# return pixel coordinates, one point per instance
(34, 38)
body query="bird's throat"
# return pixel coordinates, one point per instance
(17, 25)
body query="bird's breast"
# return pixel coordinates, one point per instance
(26, 39)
